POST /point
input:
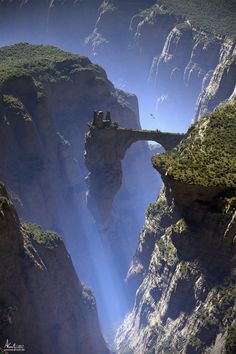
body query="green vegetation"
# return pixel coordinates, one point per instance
(189, 270)
(153, 209)
(166, 346)
(207, 317)
(45, 63)
(34, 233)
(216, 16)
(167, 250)
(12, 103)
(195, 342)
(225, 300)
(230, 345)
(207, 156)
(222, 312)
(180, 226)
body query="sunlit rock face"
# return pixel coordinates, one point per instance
(141, 44)
(170, 67)
(114, 17)
(184, 267)
(43, 307)
(221, 86)
(149, 31)
(184, 67)
(177, 58)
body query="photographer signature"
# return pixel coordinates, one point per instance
(13, 347)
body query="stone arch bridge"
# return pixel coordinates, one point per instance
(105, 147)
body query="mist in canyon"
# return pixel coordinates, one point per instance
(157, 56)
(131, 61)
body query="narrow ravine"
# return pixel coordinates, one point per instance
(117, 176)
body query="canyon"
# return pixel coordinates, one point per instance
(150, 49)
(89, 185)
(46, 105)
(184, 266)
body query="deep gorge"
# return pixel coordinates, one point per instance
(152, 234)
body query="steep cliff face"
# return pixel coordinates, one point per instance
(169, 47)
(47, 98)
(150, 29)
(177, 51)
(46, 103)
(184, 266)
(112, 26)
(171, 66)
(193, 53)
(36, 123)
(43, 305)
(184, 65)
(221, 85)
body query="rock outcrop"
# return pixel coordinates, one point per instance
(105, 148)
(184, 266)
(45, 106)
(138, 43)
(43, 305)
(112, 26)
(220, 87)
(47, 98)
(176, 53)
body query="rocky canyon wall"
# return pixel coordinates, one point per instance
(47, 98)
(184, 267)
(175, 60)
(149, 48)
(43, 305)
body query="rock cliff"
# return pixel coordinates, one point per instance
(177, 51)
(220, 87)
(43, 305)
(184, 267)
(105, 148)
(171, 48)
(47, 97)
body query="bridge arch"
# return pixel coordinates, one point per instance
(105, 148)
